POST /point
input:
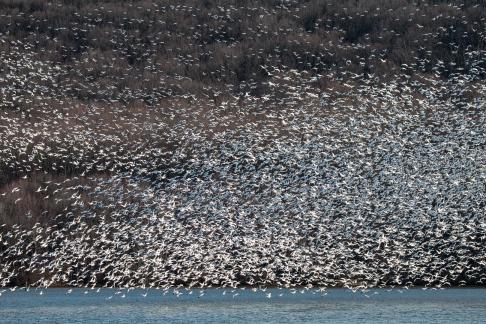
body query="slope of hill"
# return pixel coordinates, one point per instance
(242, 143)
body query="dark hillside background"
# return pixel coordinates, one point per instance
(303, 142)
(130, 50)
(79, 77)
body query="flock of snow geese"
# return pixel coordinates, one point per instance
(368, 184)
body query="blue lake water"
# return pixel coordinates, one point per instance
(464, 305)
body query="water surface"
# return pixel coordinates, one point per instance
(243, 306)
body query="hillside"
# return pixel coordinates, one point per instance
(286, 143)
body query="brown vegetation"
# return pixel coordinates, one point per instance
(180, 48)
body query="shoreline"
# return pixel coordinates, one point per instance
(248, 288)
